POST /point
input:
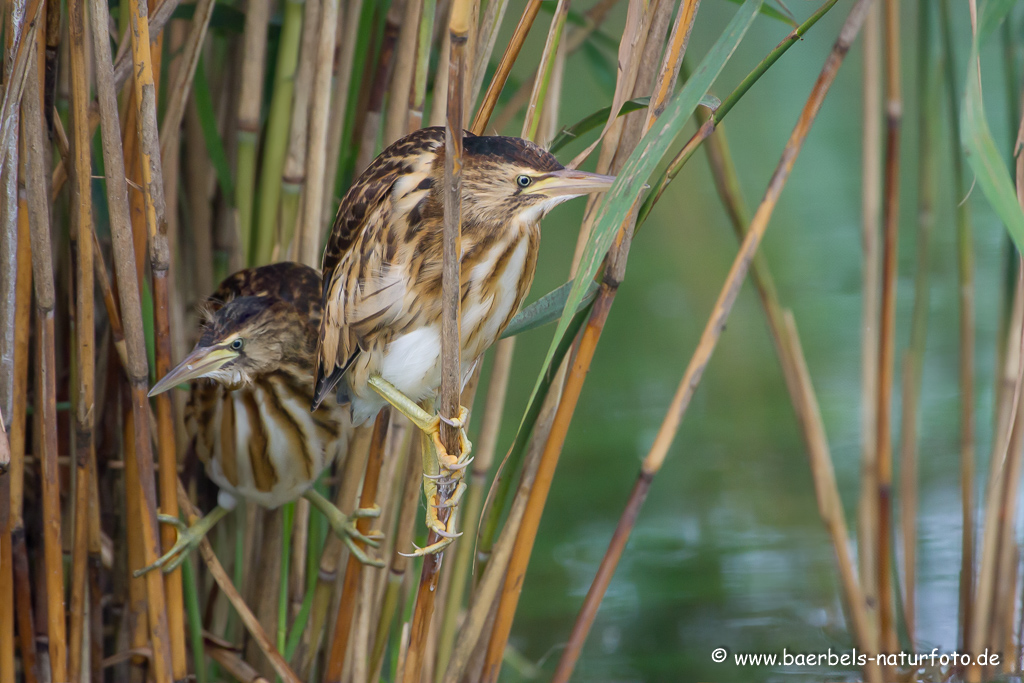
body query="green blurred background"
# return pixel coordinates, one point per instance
(729, 549)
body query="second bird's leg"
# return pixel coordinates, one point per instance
(442, 472)
(189, 538)
(344, 526)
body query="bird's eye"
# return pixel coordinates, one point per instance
(237, 345)
(523, 180)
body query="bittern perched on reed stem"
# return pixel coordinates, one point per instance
(381, 329)
(248, 412)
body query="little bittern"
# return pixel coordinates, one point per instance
(248, 414)
(381, 329)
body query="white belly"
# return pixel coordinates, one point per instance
(412, 361)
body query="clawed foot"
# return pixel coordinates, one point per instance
(345, 526)
(188, 540)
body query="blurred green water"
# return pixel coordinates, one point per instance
(729, 549)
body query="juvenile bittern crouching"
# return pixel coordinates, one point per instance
(380, 337)
(248, 414)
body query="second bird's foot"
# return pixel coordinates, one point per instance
(188, 540)
(345, 526)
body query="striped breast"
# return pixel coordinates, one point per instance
(261, 442)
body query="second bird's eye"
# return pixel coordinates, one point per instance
(523, 180)
(237, 345)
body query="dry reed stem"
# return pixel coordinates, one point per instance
(709, 338)
(354, 568)
(223, 581)
(16, 474)
(487, 36)
(887, 327)
(131, 312)
(308, 250)
(830, 505)
(515, 44)
(345, 500)
(7, 655)
(167, 614)
(673, 61)
(399, 564)
(479, 617)
(339, 106)
(13, 21)
(16, 79)
(46, 381)
(397, 123)
(379, 82)
(449, 399)
(233, 664)
(181, 85)
(247, 123)
(84, 398)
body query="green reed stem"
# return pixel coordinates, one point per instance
(275, 145)
(313, 550)
(195, 620)
(286, 564)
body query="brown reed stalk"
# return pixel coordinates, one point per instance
(487, 36)
(168, 601)
(309, 231)
(397, 122)
(451, 358)
(226, 587)
(871, 208)
(478, 622)
(294, 174)
(16, 474)
(515, 44)
(14, 84)
(345, 500)
(339, 106)
(354, 568)
(380, 80)
(84, 398)
(131, 310)
(399, 563)
(46, 381)
(887, 327)
(247, 124)
(233, 663)
(181, 86)
(7, 656)
(914, 358)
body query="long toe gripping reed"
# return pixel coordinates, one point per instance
(248, 415)
(381, 329)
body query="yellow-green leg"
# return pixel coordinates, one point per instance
(442, 472)
(345, 527)
(189, 538)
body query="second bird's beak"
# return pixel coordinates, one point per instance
(202, 360)
(570, 183)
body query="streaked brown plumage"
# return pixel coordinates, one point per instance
(382, 273)
(382, 266)
(251, 376)
(249, 418)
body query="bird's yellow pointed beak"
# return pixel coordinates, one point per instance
(570, 183)
(202, 360)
